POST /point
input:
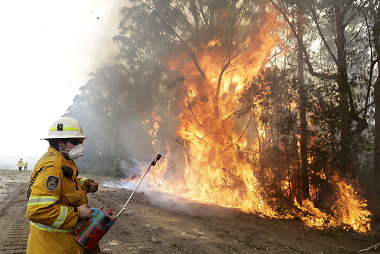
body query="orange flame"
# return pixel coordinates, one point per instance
(348, 212)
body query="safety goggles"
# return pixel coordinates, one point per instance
(75, 142)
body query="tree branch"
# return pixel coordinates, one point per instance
(373, 247)
(228, 147)
(372, 65)
(187, 47)
(195, 118)
(301, 44)
(233, 112)
(315, 18)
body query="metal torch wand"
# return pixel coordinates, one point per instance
(151, 164)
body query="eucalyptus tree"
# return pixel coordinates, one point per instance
(343, 42)
(302, 109)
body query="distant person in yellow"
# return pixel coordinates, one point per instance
(20, 164)
(57, 198)
(25, 166)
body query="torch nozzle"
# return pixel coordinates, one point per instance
(151, 164)
(155, 160)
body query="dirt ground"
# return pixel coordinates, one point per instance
(179, 226)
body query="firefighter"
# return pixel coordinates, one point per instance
(20, 164)
(57, 198)
(25, 165)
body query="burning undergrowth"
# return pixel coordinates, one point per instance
(221, 151)
(348, 211)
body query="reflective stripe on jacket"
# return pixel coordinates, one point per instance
(52, 206)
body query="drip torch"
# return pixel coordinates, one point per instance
(90, 233)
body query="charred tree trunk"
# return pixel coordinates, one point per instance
(333, 150)
(302, 109)
(345, 157)
(376, 35)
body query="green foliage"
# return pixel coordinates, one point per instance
(116, 172)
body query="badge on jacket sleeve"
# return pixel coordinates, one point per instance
(52, 183)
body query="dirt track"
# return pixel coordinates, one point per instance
(178, 227)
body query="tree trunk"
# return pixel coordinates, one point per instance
(302, 109)
(345, 157)
(376, 33)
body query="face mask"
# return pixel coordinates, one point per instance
(76, 152)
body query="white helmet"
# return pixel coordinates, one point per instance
(65, 127)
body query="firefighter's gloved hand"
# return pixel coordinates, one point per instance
(92, 186)
(84, 212)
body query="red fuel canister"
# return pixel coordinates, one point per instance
(94, 228)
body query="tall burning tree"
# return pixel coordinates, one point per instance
(218, 167)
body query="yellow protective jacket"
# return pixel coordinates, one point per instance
(20, 164)
(52, 206)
